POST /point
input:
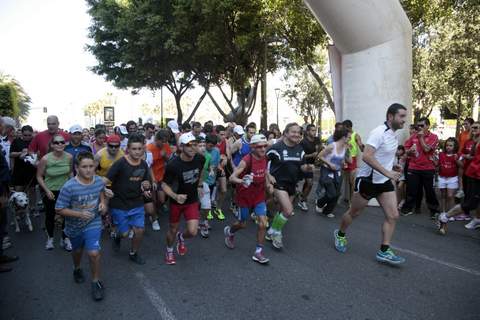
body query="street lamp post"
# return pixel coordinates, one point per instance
(277, 93)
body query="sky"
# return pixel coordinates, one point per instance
(43, 47)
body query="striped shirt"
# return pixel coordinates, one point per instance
(80, 197)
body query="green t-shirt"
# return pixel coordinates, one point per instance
(57, 171)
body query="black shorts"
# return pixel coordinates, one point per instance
(307, 175)
(369, 190)
(472, 195)
(290, 188)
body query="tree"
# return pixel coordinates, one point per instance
(14, 101)
(301, 38)
(306, 95)
(136, 46)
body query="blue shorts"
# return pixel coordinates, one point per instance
(124, 219)
(260, 210)
(88, 239)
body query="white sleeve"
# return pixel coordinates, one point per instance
(375, 138)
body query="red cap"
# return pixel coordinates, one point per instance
(113, 139)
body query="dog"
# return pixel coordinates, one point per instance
(18, 203)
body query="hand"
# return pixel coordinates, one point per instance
(23, 154)
(272, 179)
(397, 168)
(102, 207)
(86, 215)
(331, 166)
(146, 185)
(50, 195)
(420, 133)
(108, 193)
(180, 198)
(394, 175)
(310, 167)
(147, 194)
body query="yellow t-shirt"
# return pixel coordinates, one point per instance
(105, 162)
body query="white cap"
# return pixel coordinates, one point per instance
(9, 122)
(258, 138)
(202, 135)
(123, 130)
(239, 130)
(173, 125)
(186, 138)
(76, 128)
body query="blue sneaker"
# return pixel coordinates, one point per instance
(340, 242)
(389, 257)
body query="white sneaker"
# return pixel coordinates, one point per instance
(474, 224)
(67, 245)
(318, 209)
(303, 205)
(155, 226)
(443, 217)
(131, 233)
(330, 215)
(49, 245)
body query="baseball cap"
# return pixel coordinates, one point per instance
(187, 138)
(8, 121)
(173, 125)
(113, 139)
(75, 128)
(123, 130)
(258, 138)
(239, 130)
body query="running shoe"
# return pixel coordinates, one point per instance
(98, 291)
(135, 257)
(389, 257)
(131, 233)
(442, 228)
(49, 245)
(181, 248)
(474, 224)
(443, 218)
(155, 225)
(170, 258)
(340, 242)
(303, 205)
(229, 237)
(268, 234)
(209, 215)
(204, 230)
(462, 217)
(330, 215)
(277, 240)
(260, 258)
(406, 213)
(67, 244)
(318, 209)
(220, 215)
(78, 276)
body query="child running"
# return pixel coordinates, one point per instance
(448, 164)
(80, 201)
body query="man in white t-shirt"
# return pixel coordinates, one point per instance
(374, 180)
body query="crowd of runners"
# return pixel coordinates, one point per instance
(92, 181)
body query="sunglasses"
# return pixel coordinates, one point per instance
(475, 127)
(261, 147)
(420, 125)
(114, 146)
(190, 145)
(58, 142)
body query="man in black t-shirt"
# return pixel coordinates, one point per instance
(311, 146)
(131, 182)
(287, 161)
(183, 184)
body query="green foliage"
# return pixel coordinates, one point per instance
(14, 102)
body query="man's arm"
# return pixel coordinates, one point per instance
(425, 146)
(369, 158)
(238, 171)
(360, 144)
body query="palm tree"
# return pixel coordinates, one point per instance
(23, 100)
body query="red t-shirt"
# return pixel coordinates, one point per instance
(222, 147)
(249, 197)
(467, 149)
(473, 170)
(447, 165)
(41, 140)
(159, 163)
(423, 160)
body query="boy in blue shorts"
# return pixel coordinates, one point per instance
(131, 185)
(80, 201)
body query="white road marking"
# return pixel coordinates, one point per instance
(444, 263)
(154, 297)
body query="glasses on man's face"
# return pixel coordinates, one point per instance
(420, 125)
(261, 147)
(114, 146)
(191, 145)
(59, 142)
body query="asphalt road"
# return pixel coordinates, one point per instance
(308, 279)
